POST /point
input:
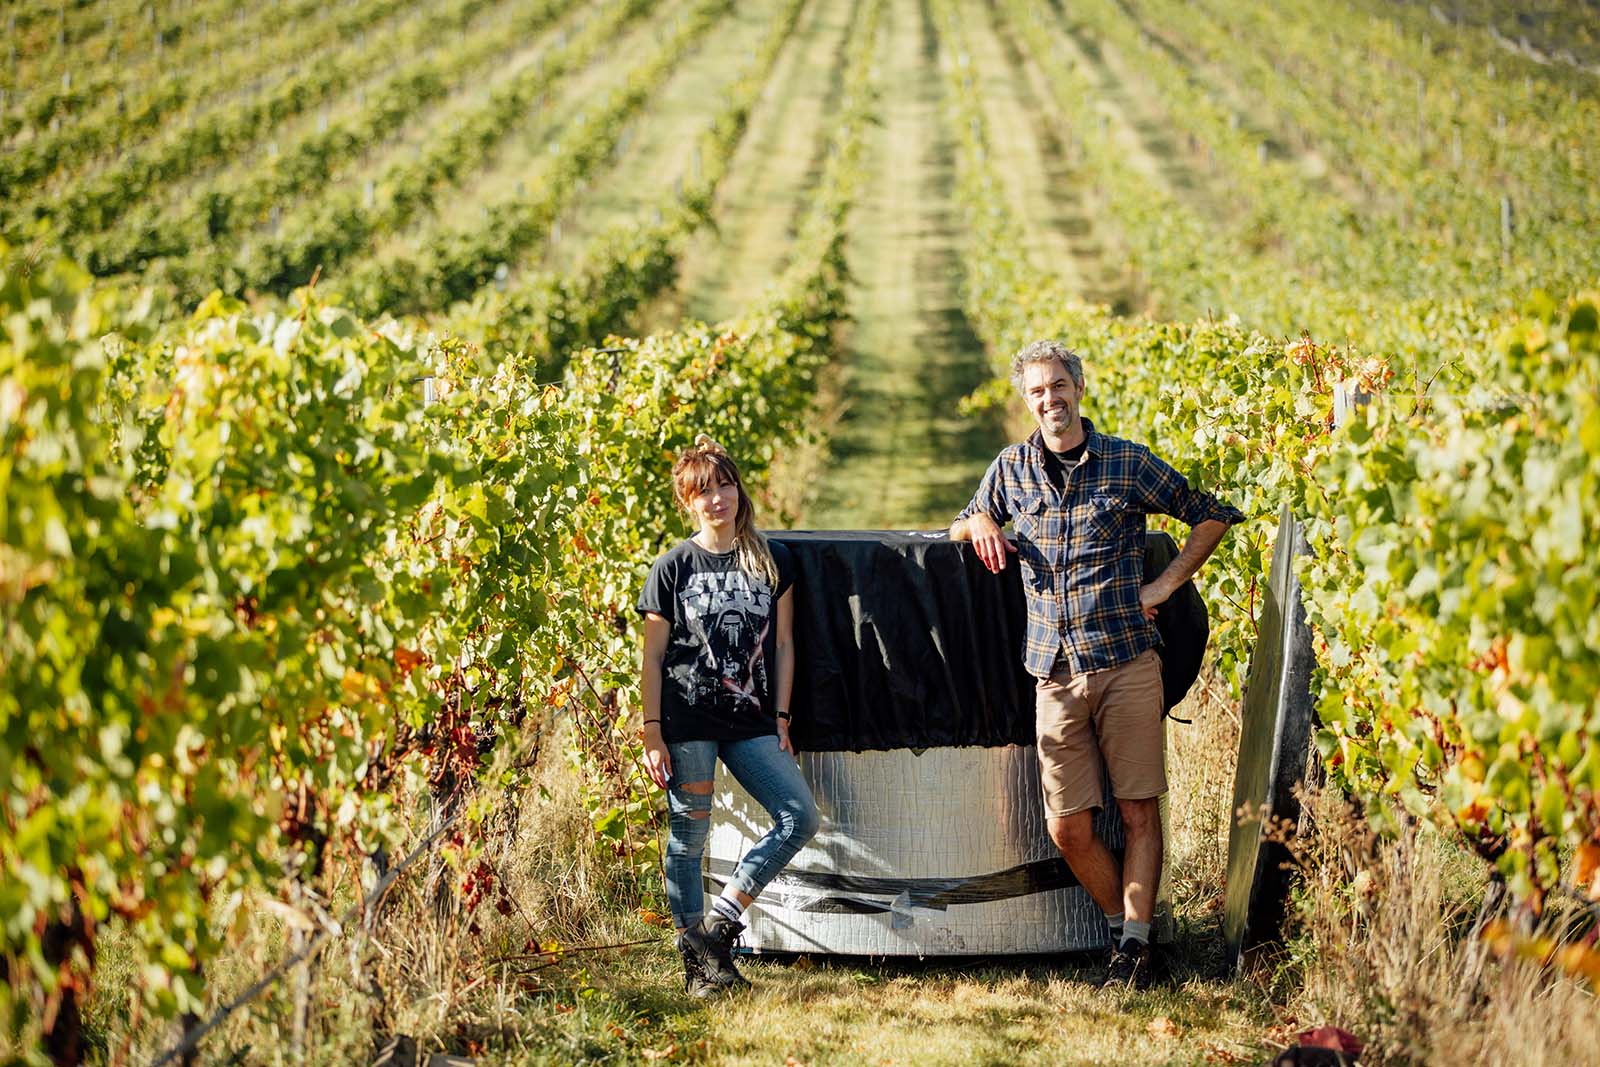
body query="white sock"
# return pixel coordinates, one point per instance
(727, 907)
(1136, 931)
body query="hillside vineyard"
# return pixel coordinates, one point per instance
(346, 347)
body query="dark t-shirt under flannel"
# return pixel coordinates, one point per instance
(1082, 547)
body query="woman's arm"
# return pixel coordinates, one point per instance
(784, 682)
(656, 760)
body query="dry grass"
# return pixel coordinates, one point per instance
(1200, 762)
(1384, 948)
(1039, 1012)
(464, 984)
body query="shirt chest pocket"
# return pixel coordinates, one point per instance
(1028, 517)
(1104, 517)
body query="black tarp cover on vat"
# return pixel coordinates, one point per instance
(905, 640)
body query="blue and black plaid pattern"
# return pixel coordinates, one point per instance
(1082, 549)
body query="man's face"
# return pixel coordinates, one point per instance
(1052, 396)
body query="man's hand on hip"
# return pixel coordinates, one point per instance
(1151, 597)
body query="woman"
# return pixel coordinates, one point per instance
(718, 669)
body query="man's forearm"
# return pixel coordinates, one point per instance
(1202, 541)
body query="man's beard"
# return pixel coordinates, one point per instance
(1059, 420)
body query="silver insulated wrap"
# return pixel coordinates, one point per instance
(941, 852)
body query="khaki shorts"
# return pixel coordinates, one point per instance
(1108, 719)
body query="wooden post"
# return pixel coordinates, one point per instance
(1508, 228)
(300, 996)
(1422, 114)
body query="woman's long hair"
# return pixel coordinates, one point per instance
(706, 463)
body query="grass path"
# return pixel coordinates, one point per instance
(726, 268)
(1132, 120)
(900, 455)
(1042, 1012)
(657, 154)
(1043, 171)
(1034, 175)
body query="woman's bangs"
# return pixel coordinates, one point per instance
(699, 473)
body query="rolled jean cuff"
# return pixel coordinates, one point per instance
(747, 884)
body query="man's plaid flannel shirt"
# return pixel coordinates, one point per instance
(1082, 550)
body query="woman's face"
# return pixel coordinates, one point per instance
(717, 505)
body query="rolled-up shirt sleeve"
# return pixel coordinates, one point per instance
(990, 497)
(1164, 491)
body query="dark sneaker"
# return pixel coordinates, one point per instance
(720, 932)
(1130, 967)
(696, 982)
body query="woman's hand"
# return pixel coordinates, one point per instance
(657, 761)
(784, 744)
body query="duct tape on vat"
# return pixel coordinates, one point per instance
(915, 722)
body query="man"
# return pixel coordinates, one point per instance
(1077, 500)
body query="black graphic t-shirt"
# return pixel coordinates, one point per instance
(719, 669)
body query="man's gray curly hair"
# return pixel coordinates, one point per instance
(1046, 352)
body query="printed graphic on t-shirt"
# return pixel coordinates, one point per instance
(725, 615)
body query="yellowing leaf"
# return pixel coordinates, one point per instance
(1586, 868)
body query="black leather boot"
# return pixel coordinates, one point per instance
(715, 935)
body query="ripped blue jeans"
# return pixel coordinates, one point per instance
(772, 778)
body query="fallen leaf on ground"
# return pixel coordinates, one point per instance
(659, 1053)
(1161, 1026)
(1333, 1037)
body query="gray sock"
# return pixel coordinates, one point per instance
(729, 908)
(1115, 922)
(1136, 931)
